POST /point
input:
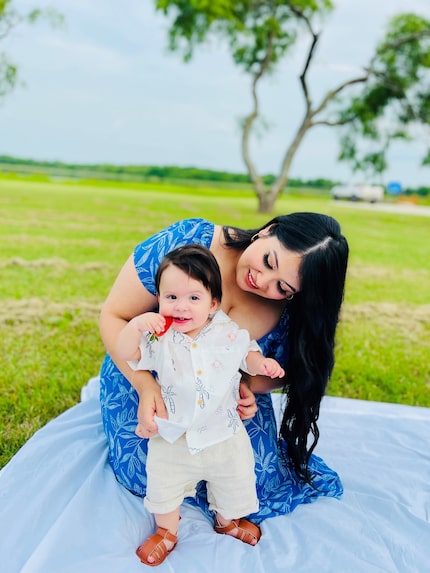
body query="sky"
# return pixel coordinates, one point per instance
(104, 88)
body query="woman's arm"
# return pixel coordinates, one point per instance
(127, 299)
(128, 341)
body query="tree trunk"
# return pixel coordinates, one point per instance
(266, 201)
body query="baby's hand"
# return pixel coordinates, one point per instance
(153, 322)
(272, 368)
(167, 322)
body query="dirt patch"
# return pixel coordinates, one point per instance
(18, 313)
(358, 271)
(56, 262)
(406, 319)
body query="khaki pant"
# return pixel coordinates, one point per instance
(227, 467)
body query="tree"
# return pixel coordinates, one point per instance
(384, 102)
(10, 18)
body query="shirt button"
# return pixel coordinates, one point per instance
(194, 345)
(199, 372)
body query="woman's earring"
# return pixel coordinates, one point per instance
(289, 297)
(254, 237)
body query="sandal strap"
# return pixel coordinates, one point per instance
(246, 531)
(225, 529)
(155, 547)
(166, 534)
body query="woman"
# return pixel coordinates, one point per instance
(284, 283)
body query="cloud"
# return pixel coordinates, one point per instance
(106, 88)
(84, 57)
(340, 68)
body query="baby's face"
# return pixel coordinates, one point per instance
(186, 300)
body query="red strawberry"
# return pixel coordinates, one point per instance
(169, 321)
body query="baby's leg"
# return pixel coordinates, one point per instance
(169, 521)
(231, 487)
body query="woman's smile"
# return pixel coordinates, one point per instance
(250, 281)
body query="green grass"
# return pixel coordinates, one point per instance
(62, 245)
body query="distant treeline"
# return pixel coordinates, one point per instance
(158, 173)
(142, 172)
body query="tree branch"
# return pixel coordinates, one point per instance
(328, 123)
(333, 93)
(315, 38)
(404, 40)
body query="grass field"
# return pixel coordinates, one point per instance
(63, 244)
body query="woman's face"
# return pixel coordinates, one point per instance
(268, 269)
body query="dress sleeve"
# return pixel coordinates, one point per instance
(149, 253)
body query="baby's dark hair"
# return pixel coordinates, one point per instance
(197, 262)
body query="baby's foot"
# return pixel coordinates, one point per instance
(239, 528)
(157, 547)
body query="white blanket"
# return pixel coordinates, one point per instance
(62, 511)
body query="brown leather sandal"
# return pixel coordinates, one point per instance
(155, 547)
(246, 531)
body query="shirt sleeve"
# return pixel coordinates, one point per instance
(253, 347)
(147, 359)
(149, 254)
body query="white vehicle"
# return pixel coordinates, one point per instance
(358, 192)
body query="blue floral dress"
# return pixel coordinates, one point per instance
(278, 488)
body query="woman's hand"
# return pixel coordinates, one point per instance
(246, 405)
(150, 403)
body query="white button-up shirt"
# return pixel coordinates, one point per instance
(199, 379)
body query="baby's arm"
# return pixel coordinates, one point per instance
(129, 337)
(259, 364)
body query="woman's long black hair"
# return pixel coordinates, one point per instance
(314, 314)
